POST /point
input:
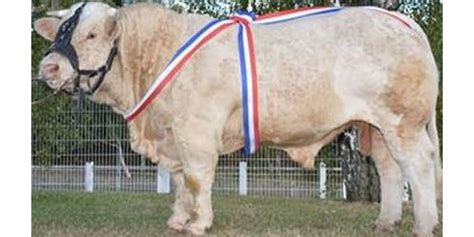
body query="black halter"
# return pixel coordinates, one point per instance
(62, 45)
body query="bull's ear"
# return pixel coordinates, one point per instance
(47, 27)
(112, 26)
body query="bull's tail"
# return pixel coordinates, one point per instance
(433, 135)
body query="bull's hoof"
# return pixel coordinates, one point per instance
(196, 229)
(177, 224)
(425, 230)
(386, 226)
(423, 234)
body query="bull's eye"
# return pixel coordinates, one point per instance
(91, 36)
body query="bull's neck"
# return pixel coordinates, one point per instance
(145, 48)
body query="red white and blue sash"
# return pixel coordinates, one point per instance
(248, 69)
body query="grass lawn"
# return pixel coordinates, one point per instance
(125, 214)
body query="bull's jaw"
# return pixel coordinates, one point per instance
(113, 91)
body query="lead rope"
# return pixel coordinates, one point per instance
(55, 92)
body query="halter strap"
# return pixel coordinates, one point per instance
(102, 70)
(62, 41)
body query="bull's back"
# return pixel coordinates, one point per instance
(317, 74)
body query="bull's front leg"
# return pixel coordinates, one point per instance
(183, 204)
(199, 156)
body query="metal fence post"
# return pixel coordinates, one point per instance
(89, 177)
(142, 162)
(344, 190)
(243, 178)
(163, 180)
(322, 180)
(118, 174)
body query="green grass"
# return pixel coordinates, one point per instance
(124, 214)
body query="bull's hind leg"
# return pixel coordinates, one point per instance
(415, 154)
(391, 182)
(183, 204)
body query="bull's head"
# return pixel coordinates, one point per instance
(84, 45)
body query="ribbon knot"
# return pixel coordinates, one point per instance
(243, 17)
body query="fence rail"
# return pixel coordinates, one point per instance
(242, 180)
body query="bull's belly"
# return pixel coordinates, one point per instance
(295, 136)
(289, 125)
(300, 136)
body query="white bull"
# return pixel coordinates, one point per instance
(316, 77)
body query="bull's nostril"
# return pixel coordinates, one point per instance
(50, 69)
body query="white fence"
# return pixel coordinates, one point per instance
(241, 180)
